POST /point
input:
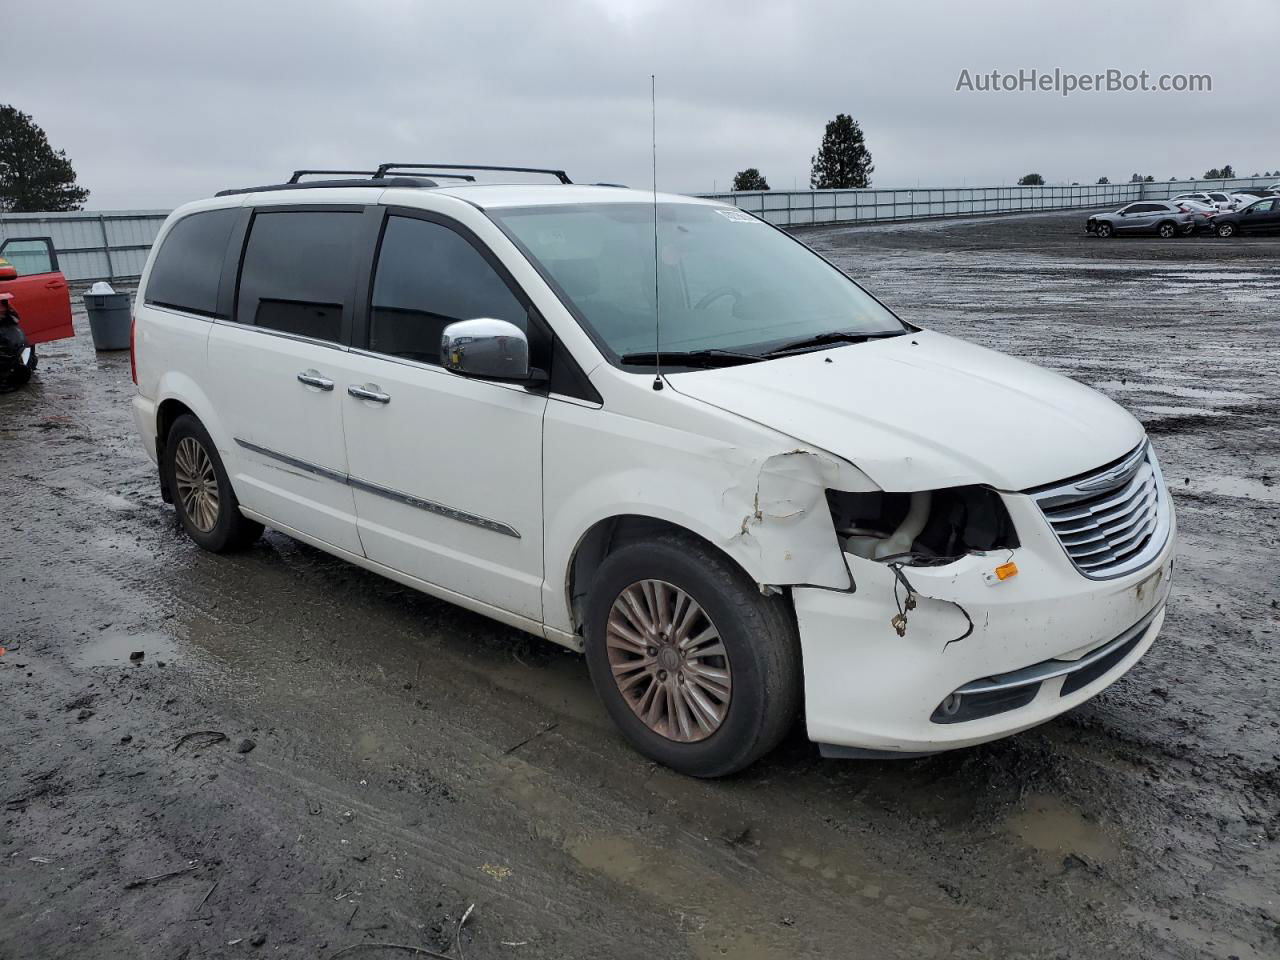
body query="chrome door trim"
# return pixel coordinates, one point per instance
(268, 332)
(432, 507)
(440, 509)
(306, 465)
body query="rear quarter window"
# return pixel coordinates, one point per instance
(188, 268)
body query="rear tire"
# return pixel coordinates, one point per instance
(1225, 230)
(1105, 231)
(1167, 230)
(202, 496)
(715, 682)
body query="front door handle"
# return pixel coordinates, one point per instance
(312, 378)
(369, 392)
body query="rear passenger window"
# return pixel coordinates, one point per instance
(188, 268)
(427, 277)
(298, 273)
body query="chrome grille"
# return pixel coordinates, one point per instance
(1114, 521)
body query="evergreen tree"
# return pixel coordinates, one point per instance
(33, 176)
(843, 161)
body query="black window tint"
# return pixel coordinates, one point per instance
(299, 268)
(188, 267)
(427, 277)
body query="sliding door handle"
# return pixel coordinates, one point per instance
(369, 392)
(312, 378)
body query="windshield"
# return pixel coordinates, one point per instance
(726, 281)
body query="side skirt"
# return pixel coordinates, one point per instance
(442, 593)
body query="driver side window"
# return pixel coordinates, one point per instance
(427, 277)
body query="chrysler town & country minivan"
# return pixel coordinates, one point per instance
(660, 431)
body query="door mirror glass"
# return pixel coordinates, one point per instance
(487, 348)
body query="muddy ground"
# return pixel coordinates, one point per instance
(410, 760)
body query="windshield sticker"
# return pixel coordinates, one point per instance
(737, 216)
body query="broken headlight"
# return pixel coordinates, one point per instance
(926, 527)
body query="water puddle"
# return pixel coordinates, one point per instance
(1227, 486)
(115, 648)
(1182, 411)
(1187, 393)
(1056, 830)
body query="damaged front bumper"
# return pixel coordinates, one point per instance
(978, 658)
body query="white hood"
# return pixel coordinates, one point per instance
(926, 411)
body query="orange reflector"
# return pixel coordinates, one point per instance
(1006, 570)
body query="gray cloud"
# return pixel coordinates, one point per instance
(158, 103)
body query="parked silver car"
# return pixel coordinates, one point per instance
(1162, 217)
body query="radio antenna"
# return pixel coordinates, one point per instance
(657, 329)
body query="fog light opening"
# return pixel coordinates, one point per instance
(951, 705)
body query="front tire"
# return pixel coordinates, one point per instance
(1225, 230)
(202, 496)
(1105, 231)
(699, 670)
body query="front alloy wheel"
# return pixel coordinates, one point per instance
(668, 661)
(1226, 229)
(698, 668)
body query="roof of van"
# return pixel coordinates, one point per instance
(501, 195)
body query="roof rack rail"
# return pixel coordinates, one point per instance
(299, 174)
(421, 182)
(383, 168)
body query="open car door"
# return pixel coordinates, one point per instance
(40, 293)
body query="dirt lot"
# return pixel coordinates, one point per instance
(409, 760)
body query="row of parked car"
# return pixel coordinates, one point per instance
(1224, 214)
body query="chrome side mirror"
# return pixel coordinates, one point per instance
(487, 348)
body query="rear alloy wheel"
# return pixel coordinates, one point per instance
(1167, 230)
(202, 494)
(1105, 231)
(1226, 229)
(699, 670)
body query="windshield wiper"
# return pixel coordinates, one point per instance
(690, 358)
(833, 337)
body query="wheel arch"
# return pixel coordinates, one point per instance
(609, 534)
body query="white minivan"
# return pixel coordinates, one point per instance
(658, 430)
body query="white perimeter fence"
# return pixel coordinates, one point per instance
(113, 244)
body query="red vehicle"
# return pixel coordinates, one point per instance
(35, 305)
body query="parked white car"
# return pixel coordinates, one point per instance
(1212, 198)
(802, 504)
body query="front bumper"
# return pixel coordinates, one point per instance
(869, 689)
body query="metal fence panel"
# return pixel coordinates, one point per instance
(92, 244)
(113, 244)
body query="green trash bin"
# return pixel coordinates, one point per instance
(109, 319)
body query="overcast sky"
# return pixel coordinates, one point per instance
(159, 103)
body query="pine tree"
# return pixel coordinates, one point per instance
(33, 176)
(843, 161)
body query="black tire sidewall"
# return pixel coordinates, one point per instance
(750, 632)
(224, 534)
(1105, 231)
